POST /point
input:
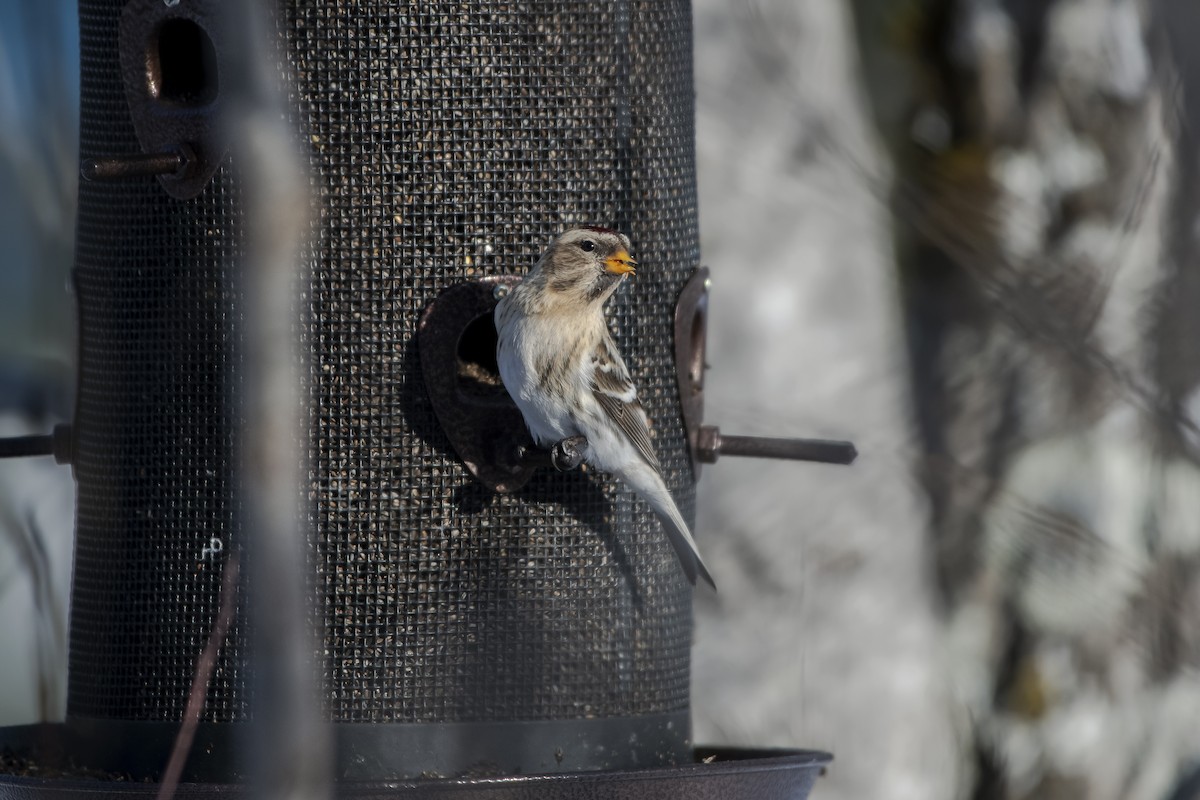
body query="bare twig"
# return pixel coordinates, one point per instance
(206, 662)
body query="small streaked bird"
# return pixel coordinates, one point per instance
(561, 366)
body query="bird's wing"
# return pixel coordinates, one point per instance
(614, 390)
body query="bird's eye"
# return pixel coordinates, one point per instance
(587, 245)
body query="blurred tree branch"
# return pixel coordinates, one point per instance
(292, 751)
(1045, 242)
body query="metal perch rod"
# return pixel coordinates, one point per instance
(568, 453)
(20, 446)
(712, 444)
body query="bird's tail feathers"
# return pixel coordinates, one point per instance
(647, 482)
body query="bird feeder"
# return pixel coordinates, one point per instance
(485, 624)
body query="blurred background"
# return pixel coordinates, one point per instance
(39, 135)
(959, 232)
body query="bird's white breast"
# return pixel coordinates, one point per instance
(524, 343)
(527, 344)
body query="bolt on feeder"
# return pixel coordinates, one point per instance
(482, 619)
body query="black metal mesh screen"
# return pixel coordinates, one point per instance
(447, 141)
(158, 318)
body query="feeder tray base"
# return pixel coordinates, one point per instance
(719, 774)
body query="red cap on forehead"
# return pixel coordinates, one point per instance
(599, 229)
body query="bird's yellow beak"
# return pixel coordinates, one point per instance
(620, 263)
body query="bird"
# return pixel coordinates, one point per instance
(560, 365)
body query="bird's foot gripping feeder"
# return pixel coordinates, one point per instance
(566, 454)
(524, 642)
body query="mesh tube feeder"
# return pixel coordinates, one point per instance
(481, 620)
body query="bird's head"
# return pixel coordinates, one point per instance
(586, 264)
